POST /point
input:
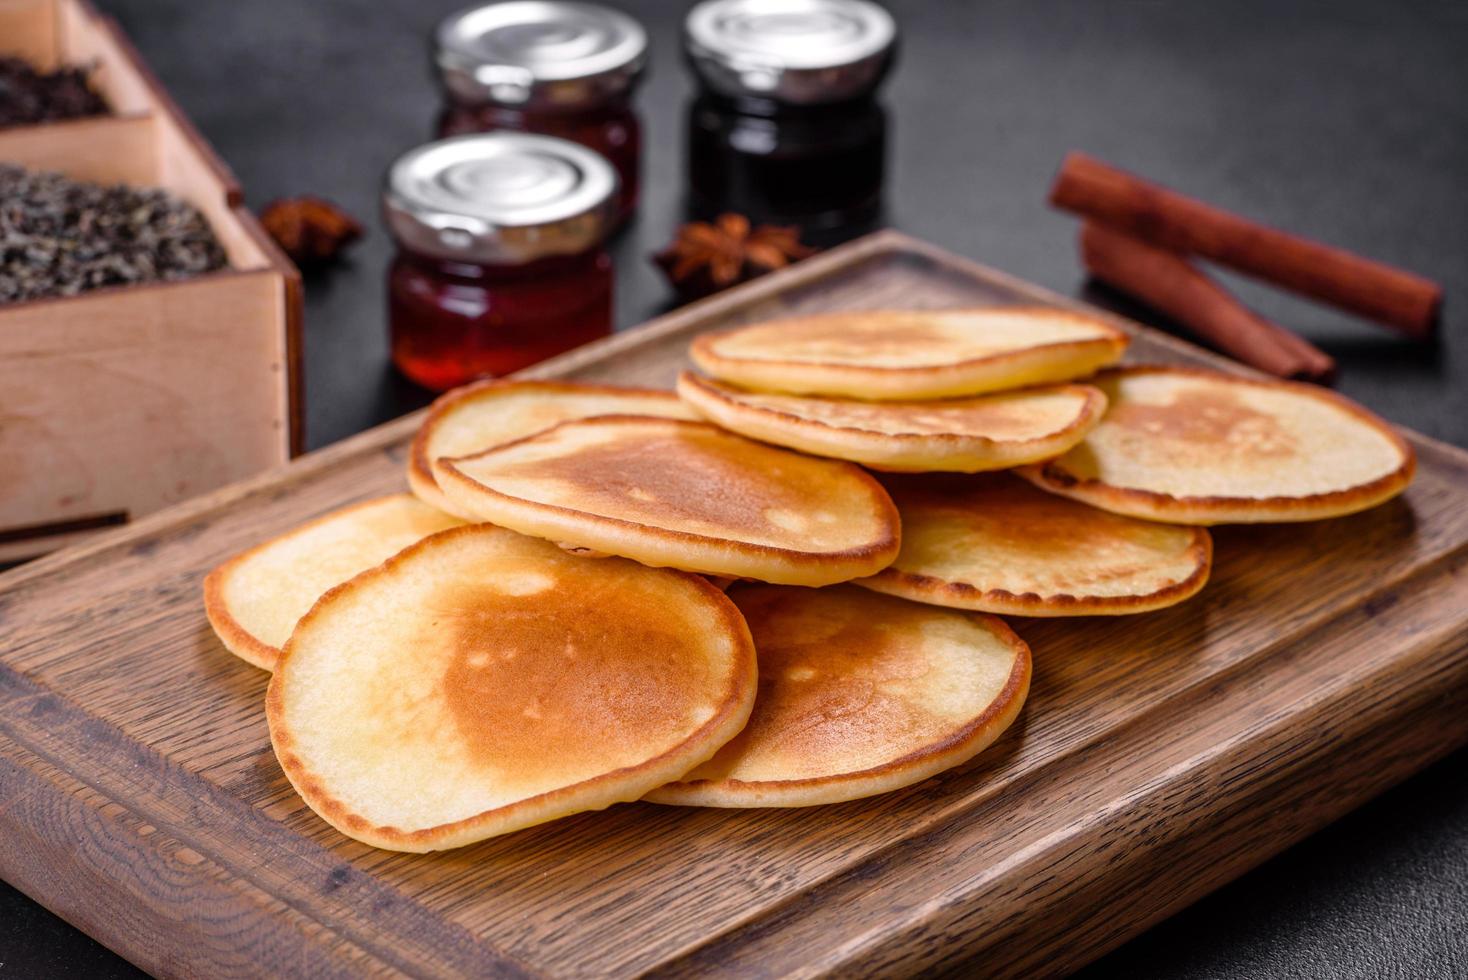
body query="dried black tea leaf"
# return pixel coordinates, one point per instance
(60, 237)
(28, 96)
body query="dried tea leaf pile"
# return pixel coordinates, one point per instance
(28, 96)
(60, 237)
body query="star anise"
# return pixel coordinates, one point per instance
(311, 231)
(705, 257)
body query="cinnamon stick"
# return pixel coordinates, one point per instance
(1163, 217)
(1171, 284)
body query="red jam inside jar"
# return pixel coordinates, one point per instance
(611, 129)
(550, 68)
(452, 322)
(500, 260)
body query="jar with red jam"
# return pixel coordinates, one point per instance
(500, 259)
(786, 127)
(551, 67)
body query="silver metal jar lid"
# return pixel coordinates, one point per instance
(804, 52)
(539, 53)
(499, 198)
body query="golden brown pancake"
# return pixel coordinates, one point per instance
(683, 494)
(994, 543)
(480, 682)
(254, 599)
(897, 355)
(491, 413)
(859, 694)
(1199, 447)
(962, 435)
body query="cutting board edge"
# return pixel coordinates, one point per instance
(87, 890)
(391, 435)
(242, 886)
(182, 815)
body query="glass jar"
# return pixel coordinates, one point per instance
(786, 127)
(500, 260)
(549, 67)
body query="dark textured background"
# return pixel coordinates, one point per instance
(1344, 120)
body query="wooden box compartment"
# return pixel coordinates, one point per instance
(120, 401)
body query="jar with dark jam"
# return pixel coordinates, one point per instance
(500, 260)
(550, 67)
(786, 127)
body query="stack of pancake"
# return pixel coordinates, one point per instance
(776, 587)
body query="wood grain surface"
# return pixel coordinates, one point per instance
(1159, 756)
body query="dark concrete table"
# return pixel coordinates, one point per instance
(1347, 121)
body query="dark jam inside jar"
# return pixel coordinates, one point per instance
(610, 128)
(452, 322)
(820, 167)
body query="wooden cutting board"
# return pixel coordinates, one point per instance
(1159, 756)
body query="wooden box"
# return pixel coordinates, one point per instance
(121, 401)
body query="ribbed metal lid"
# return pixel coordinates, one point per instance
(804, 52)
(499, 198)
(539, 53)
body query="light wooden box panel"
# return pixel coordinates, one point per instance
(31, 29)
(53, 33)
(121, 401)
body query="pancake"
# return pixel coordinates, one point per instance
(894, 355)
(683, 494)
(996, 544)
(491, 413)
(481, 682)
(254, 599)
(1199, 447)
(962, 435)
(859, 694)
